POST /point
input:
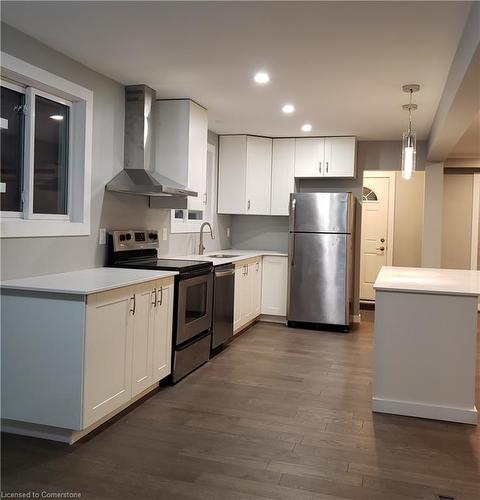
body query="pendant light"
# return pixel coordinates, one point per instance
(409, 141)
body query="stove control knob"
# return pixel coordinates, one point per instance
(122, 237)
(128, 236)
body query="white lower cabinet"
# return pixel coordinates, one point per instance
(128, 339)
(248, 279)
(108, 353)
(162, 332)
(274, 285)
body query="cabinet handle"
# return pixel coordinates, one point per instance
(204, 198)
(320, 166)
(160, 301)
(248, 205)
(154, 294)
(257, 266)
(327, 167)
(133, 309)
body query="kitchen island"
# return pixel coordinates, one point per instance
(79, 347)
(425, 343)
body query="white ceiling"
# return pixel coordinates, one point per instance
(341, 64)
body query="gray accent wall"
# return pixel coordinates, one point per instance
(34, 256)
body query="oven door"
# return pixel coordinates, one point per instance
(194, 311)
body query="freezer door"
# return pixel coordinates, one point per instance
(321, 212)
(318, 278)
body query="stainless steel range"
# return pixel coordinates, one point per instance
(192, 321)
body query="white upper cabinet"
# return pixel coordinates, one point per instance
(244, 175)
(325, 157)
(181, 145)
(340, 157)
(259, 172)
(309, 157)
(232, 162)
(283, 175)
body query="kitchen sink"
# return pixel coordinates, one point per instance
(222, 256)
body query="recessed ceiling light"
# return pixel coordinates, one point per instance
(306, 127)
(261, 77)
(59, 118)
(288, 108)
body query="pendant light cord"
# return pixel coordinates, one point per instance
(410, 113)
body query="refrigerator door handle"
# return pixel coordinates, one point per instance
(293, 250)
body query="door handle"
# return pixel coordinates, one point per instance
(320, 166)
(154, 294)
(219, 274)
(327, 167)
(248, 205)
(380, 248)
(160, 302)
(134, 307)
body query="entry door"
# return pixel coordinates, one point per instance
(376, 250)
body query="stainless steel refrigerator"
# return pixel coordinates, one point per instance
(320, 259)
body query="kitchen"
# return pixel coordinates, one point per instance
(277, 412)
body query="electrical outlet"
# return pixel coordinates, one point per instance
(102, 236)
(228, 232)
(164, 234)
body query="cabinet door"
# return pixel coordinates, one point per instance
(197, 156)
(143, 326)
(340, 156)
(256, 287)
(309, 157)
(283, 175)
(162, 332)
(108, 353)
(274, 286)
(259, 175)
(232, 164)
(239, 308)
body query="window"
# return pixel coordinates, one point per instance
(190, 220)
(45, 153)
(368, 194)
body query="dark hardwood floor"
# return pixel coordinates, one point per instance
(279, 414)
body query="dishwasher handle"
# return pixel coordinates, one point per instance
(219, 274)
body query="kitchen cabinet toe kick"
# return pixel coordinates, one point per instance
(70, 436)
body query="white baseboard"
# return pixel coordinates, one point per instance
(421, 410)
(270, 318)
(60, 434)
(355, 318)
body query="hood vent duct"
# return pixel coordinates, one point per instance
(138, 176)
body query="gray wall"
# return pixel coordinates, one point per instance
(33, 256)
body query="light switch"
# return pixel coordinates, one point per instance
(102, 236)
(164, 234)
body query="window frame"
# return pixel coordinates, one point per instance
(33, 81)
(14, 214)
(29, 159)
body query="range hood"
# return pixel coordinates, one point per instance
(138, 176)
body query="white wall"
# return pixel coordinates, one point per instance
(34, 256)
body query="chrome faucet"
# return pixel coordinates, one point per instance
(201, 248)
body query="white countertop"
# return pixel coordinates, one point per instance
(426, 280)
(86, 281)
(238, 256)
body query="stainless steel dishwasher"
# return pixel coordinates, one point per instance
(223, 296)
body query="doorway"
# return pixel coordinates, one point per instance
(378, 202)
